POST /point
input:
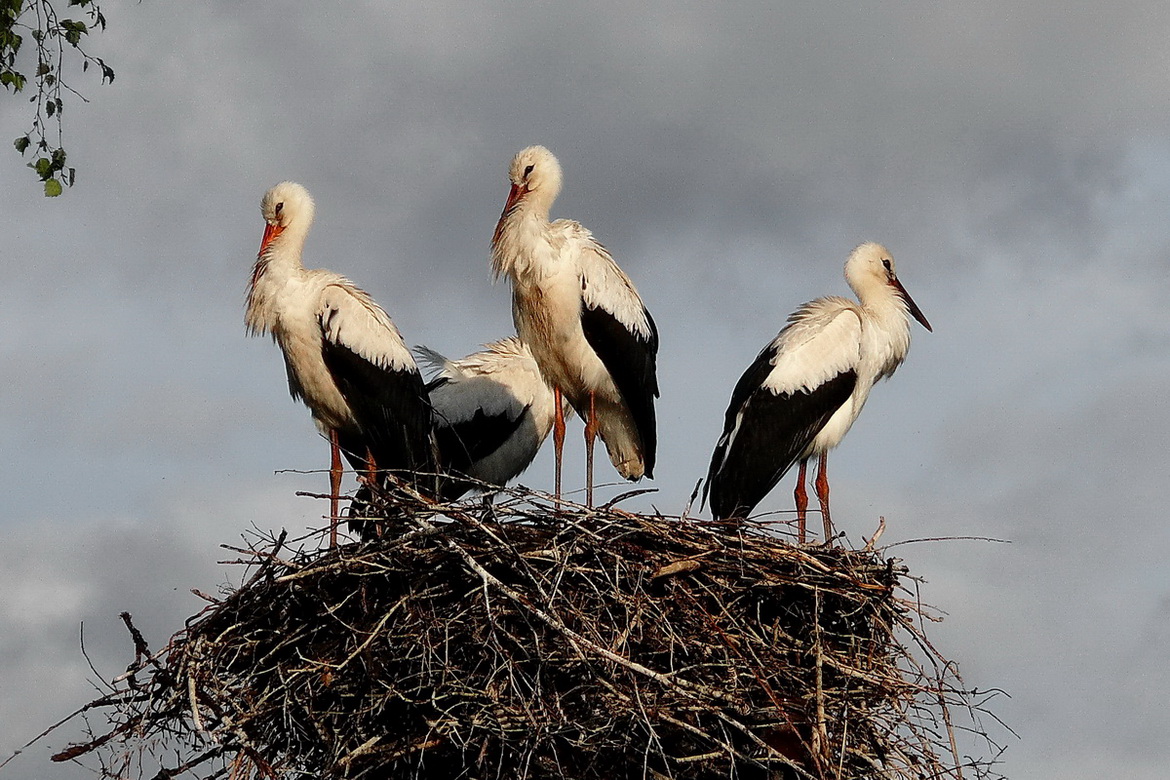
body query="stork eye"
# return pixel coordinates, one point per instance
(279, 208)
(528, 170)
(886, 263)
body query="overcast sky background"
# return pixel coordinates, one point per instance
(1014, 157)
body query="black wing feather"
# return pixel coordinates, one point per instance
(632, 361)
(464, 443)
(774, 431)
(748, 383)
(391, 406)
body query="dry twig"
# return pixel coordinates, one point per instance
(482, 640)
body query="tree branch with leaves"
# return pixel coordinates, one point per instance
(57, 44)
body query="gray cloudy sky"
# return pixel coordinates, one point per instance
(1015, 157)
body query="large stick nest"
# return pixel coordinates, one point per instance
(518, 640)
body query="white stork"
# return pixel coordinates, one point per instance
(492, 411)
(588, 330)
(344, 357)
(805, 389)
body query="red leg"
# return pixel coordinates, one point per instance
(558, 440)
(334, 485)
(801, 495)
(371, 469)
(590, 436)
(822, 485)
(371, 477)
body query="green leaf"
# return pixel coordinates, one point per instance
(21, 143)
(43, 166)
(9, 43)
(52, 188)
(73, 31)
(12, 80)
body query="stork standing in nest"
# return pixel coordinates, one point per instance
(344, 357)
(805, 389)
(492, 412)
(588, 329)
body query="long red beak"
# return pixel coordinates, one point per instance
(911, 305)
(515, 194)
(270, 232)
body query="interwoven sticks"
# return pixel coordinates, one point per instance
(517, 641)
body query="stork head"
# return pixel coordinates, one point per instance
(871, 272)
(286, 206)
(535, 176)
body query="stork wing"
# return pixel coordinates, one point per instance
(437, 363)
(780, 404)
(475, 410)
(481, 403)
(464, 442)
(621, 331)
(364, 352)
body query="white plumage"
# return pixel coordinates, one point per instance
(805, 389)
(343, 355)
(492, 412)
(588, 329)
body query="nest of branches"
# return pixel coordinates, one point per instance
(525, 639)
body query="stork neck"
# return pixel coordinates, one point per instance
(280, 261)
(886, 304)
(537, 204)
(888, 328)
(523, 233)
(283, 254)
(530, 216)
